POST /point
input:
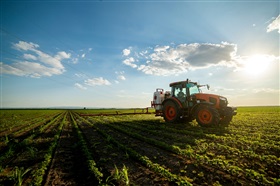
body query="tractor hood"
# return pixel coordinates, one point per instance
(205, 96)
(218, 101)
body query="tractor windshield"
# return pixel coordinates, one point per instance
(193, 88)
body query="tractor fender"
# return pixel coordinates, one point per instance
(175, 100)
(193, 110)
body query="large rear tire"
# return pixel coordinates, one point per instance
(207, 116)
(171, 112)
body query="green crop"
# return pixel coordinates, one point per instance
(112, 149)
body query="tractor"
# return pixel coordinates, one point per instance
(186, 102)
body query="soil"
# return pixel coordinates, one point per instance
(68, 165)
(109, 157)
(172, 162)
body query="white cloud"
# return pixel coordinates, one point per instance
(126, 52)
(41, 56)
(49, 60)
(31, 69)
(81, 56)
(130, 62)
(167, 60)
(97, 81)
(8, 69)
(62, 55)
(22, 45)
(161, 48)
(121, 77)
(79, 86)
(80, 75)
(29, 57)
(43, 64)
(274, 25)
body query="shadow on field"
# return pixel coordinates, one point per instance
(171, 133)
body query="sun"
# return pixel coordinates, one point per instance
(256, 64)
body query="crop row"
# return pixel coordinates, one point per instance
(260, 168)
(31, 153)
(210, 148)
(89, 158)
(38, 174)
(14, 146)
(143, 159)
(13, 120)
(175, 165)
(26, 128)
(63, 148)
(241, 142)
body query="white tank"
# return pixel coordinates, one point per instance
(158, 98)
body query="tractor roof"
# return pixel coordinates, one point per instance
(181, 82)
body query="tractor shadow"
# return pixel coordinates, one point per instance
(190, 132)
(178, 134)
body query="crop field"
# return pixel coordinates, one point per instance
(69, 147)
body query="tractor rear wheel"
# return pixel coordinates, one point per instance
(171, 112)
(207, 116)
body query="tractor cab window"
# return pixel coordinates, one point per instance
(180, 93)
(193, 89)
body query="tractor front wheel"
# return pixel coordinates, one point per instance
(207, 116)
(170, 112)
(225, 120)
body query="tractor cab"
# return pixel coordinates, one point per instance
(185, 90)
(180, 92)
(194, 88)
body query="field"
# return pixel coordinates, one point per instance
(61, 147)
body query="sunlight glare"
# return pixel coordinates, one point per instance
(256, 64)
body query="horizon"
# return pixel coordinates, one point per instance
(114, 54)
(100, 108)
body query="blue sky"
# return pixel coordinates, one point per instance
(116, 53)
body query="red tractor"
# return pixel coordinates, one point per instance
(186, 102)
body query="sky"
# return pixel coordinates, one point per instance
(114, 54)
